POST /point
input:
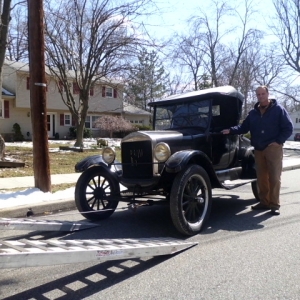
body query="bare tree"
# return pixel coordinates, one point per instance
(17, 42)
(287, 29)
(210, 28)
(247, 39)
(5, 18)
(91, 39)
(187, 51)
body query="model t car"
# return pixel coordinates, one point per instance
(178, 163)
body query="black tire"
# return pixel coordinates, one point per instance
(255, 190)
(94, 193)
(190, 200)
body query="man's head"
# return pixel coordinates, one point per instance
(262, 94)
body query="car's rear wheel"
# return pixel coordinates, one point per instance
(95, 193)
(190, 200)
(255, 190)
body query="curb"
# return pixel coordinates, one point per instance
(39, 209)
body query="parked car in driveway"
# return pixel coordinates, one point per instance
(177, 164)
(297, 137)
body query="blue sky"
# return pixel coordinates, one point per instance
(171, 15)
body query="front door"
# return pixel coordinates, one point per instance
(50, 125)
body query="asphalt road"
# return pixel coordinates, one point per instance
(241, 254)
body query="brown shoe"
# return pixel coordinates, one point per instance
(260, 206)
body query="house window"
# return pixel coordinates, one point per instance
(94, 119)
(76, 89)
(1, 109)
(296, 120)
(28, 83)
(91, 91)
(108, 92)
(67, 119)
(87, 123)
(4, 108)
(90, 121)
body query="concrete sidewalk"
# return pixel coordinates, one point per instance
(41, 207)
(28, 181)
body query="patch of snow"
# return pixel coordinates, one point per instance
(86, 142)
(33, 196)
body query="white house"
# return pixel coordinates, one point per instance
(105, 98)
(295, 116)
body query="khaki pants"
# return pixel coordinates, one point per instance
(268, 170)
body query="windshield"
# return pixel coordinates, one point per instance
(183, 115)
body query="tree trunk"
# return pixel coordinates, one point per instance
(79, 135)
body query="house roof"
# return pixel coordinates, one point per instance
(24, 67)
(133, 110)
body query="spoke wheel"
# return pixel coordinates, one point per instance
(190, 200)
(95, 193)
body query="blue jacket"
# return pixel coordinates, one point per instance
(275, 125)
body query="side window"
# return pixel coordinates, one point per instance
(109, 92)
(67, 119)
(94, 119)
(87, 123)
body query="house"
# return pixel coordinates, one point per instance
(295, 116)
(105, 98)
(135, 115)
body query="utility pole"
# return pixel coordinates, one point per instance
(38, 85)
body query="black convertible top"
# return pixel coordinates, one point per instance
(227, 90)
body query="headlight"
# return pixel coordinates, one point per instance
(162, 152)
(108, 155)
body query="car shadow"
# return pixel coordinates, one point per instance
(231, 213)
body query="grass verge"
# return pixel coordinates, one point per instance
(61, 162)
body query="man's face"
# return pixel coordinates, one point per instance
(262, 96)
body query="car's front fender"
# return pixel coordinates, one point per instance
(93, 160)
(180, 159)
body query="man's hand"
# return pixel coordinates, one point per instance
(225, 131)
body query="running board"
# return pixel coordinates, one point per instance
(32, 253)
(230, 185)
(43, 225)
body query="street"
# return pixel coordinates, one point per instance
(242, 254)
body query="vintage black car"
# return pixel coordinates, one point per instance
(178, 163)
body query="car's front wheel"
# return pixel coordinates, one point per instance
(96, 192)
(190, 200)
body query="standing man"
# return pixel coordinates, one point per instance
(270, 126)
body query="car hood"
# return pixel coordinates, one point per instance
(151, 135)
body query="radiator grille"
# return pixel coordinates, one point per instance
(137, 160)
